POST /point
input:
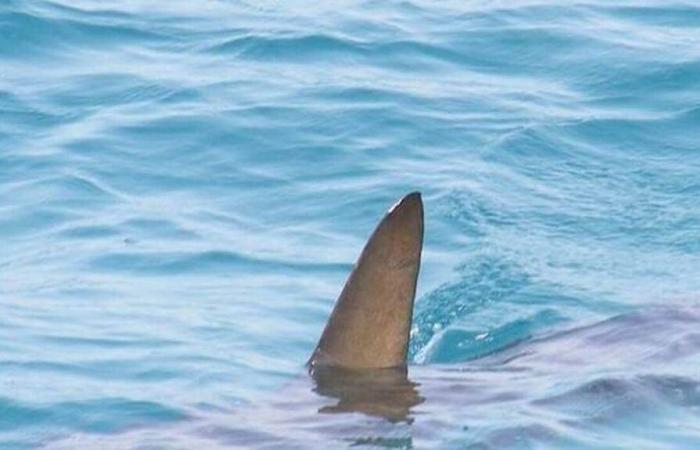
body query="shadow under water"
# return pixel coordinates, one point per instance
(385, 393)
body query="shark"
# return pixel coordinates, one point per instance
(582, 387)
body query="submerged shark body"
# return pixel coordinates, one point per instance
(588, 387)
(570, 389)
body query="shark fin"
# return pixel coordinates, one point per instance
(371, 321)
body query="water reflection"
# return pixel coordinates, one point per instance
(386, 393)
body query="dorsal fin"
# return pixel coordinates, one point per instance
(371, 321)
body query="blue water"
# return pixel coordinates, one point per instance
(183, 190)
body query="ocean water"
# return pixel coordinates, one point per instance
(184, 188)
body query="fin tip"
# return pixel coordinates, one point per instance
(413, 199)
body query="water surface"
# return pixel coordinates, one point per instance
(184, 189)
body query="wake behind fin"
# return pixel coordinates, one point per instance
(371, 321)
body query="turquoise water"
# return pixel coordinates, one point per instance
(184, 189)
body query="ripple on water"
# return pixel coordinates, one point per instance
(183, 191)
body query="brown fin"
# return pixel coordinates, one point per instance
(371, 320)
